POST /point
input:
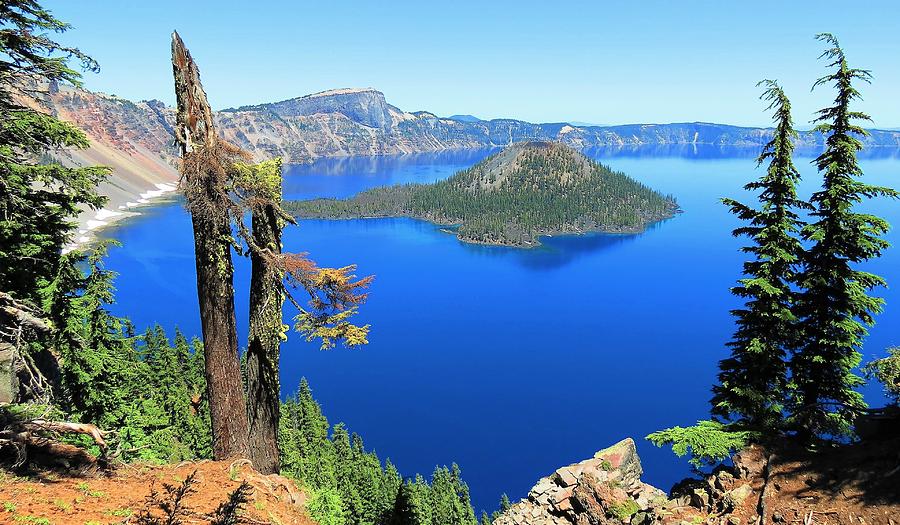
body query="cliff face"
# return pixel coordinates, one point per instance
(134, 139)
(347, 122)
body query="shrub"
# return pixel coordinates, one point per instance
(623, 510)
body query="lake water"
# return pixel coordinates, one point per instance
(509, 362)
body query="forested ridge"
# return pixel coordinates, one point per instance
(527, 190)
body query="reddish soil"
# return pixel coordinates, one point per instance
(851, 484)
(121, 495)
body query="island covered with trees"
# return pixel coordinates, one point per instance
(527, 190)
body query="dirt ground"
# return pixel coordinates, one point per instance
(849, 484)
(121, 496)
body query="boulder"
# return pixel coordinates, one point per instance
(603, 490)
(735, 498)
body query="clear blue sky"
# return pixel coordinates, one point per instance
(594, 61)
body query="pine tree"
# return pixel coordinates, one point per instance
(37, 202)
(413, 505)
(391, 483)
(345, 474)
(753, 381)
(834, 306)
(463, 513)
(317, 464)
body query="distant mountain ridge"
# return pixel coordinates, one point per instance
(359, 121)
(135, 138)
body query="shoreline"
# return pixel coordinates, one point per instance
(91, 222)
(451, 228)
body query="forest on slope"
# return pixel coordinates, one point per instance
(511, 198)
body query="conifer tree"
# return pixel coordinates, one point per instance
(835, 307)
(753, 381)
(37, 202)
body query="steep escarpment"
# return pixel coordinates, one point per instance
(133, 138)
(365, 106)
(527, 190)
(346, 122)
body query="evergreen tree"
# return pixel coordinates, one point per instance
(413, 505)
(834, 305)
(391, 483)
(504, 506)
(345, 475)
(753, 381)
(37, 202)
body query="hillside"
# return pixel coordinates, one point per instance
(511, 198)
(125, 495)
(850, 483)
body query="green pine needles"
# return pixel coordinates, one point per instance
(708, 442)
(753, 382)
(798, 338)
(807, 306)
(834, 303)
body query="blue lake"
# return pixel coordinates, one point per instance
(509, 362)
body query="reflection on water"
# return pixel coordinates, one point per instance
(556, 251)
(712, 151)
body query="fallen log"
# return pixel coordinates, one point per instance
(35, 443)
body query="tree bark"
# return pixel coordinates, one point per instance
(266, 300)
(207, 201)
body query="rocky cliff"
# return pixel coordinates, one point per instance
(606, 489)
(346, 122)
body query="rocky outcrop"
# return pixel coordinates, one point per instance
(606, 489)
(363, 106)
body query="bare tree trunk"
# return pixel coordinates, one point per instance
(266, 300)
(206, 193)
